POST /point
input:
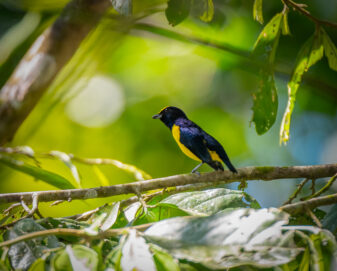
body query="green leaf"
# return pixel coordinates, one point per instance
(163, 260)
(310, 53)
(265, 99)
(177, 11)
(136, 254)
(304, 266)
(330, 220)
(159, 212)
(100, 175)
(66, 159)
(266, 44)
(105, 218)
(285, 25)
(23, 254)
(76, 257)
(228, 238)
(123, 7)
(330, 50)
(36, 172)
(265, 103)
(257, 11)
(38, 265)
(113, 259)
(204, 9)
(209, 201)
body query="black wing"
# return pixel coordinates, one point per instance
(213, 145)
(192, 138)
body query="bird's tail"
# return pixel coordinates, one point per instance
(216, 165)
(230, 166)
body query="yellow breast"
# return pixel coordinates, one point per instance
(176, 136)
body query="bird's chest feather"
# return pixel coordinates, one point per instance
(185, 150)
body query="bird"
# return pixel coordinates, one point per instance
(193, 140)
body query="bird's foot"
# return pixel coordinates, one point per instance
(195, 170)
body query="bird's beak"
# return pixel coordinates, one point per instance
(157, 116)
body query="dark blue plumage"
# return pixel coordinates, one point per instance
(194, 141)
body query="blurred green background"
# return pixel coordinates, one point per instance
(100, 105)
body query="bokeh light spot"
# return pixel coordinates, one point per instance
(98, 104)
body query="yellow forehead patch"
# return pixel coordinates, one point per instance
(163, 109)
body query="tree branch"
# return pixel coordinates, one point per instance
(213, 178)
(73, 232)
(302, 10)
(302, 206)
(50, 52)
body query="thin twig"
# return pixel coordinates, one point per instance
(301, 9)
(313, 217)
(73, 232)
(215, 178)
(302, 206)
(296, 192)
(323, 189)
(312, 187)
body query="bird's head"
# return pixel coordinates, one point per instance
(169, 115)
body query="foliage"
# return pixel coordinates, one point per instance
(228, 236)
(210, 229)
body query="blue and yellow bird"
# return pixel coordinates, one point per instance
(194, 141)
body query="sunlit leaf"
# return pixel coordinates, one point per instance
(136, 254)
(330, 50)
(257, 11)
(266, 44)
(163, 260)
(265, 99)
(159, 212)
(38, 265)
(228, 239)
(209, 201)
(310, 53)
(204, 9)
(23, 254)
(37, 172)
(177, 11)
(285, 25)
(66, 159)
(100, 175)
(123, 7)
(76, 257)
(304, 266)
(106, 217)
(265, 103)
(96, 224)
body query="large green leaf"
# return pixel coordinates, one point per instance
(310, 53)
(136, 254)
(76, 257)
(265, 103)
(177, 11)
(23, 254)
(37, 172)
(257, 11)
(66, 159)
(330, 50)
(265, 99)
(228, 238)
(210, 201)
